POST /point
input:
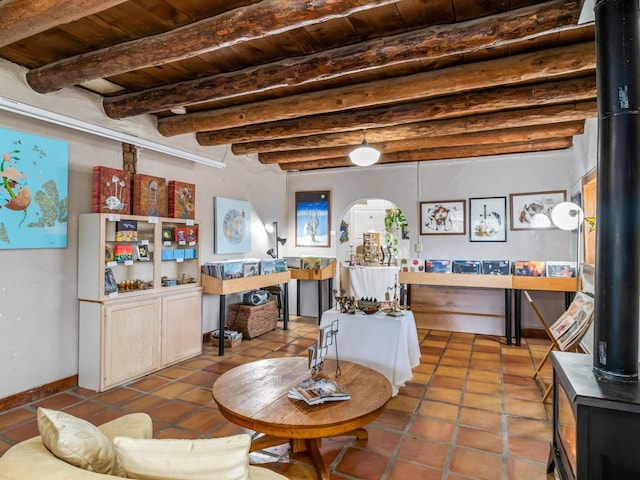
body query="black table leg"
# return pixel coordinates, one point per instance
(507, 315)
(298, 297)
(319, 301)
(517, 303)
(330, 294)
(223, 318)
(285, 306)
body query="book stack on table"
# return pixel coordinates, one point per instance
(317, 391)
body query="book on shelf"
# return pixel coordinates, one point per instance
(319, 390)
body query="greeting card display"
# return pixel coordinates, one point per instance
(149, 195)
(123, 252)
(182, 199)
(127, 231)
(111, 191)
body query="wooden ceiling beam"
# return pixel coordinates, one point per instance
(554, 63)
(473, 103)
(493, 121)
(433, 44)
(24, 18)
(509, 135)
(439, 154)
(259, 20)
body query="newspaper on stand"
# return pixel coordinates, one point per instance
(569, 329)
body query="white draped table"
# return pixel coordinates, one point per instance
(368, 282)
(384, 343)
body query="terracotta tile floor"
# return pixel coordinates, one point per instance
(472, 410)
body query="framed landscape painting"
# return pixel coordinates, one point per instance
(313, 219)
(443, 217)
(487, 219)
(532, 211)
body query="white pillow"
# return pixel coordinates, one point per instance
(77, 442)
(225, 458)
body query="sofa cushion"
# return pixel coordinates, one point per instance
(225, 458)
(77, 442)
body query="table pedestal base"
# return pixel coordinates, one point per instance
(301, 445)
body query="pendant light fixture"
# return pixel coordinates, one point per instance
(364, 155)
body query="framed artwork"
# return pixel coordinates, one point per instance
(232, 221)
(487, 219)
(443, 217)
(532, 211)
(33, 191)
(313, 219)
(589, 192)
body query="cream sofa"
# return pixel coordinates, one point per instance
(30, 459)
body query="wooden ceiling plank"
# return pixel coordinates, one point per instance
(508, 135)
(549, 64)
(440, 154)
(425, 45)
(24, 18)
(493, 121)
(472, 103)
(260, 20)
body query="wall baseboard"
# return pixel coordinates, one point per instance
(38, 392)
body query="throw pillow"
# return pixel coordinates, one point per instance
(225, 458)
(77, 442)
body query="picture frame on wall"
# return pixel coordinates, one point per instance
(532, 211)
(443, 217)
(313, 219)
(232, 224)
(488, 219)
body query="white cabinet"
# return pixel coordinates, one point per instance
(181, 326)
(154, 317)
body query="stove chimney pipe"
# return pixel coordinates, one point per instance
(617, 277)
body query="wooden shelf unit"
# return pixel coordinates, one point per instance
(128, 334)
(216, 286)
(463, 319)
(326, 273)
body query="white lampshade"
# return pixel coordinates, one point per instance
(567, 216)
(364, 155)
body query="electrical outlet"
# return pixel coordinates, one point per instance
(418, 247)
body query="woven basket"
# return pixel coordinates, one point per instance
(228, 342)
(253, 320)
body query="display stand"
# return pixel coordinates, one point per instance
(573, 345)
(215, 286)
(326, 273)
(460, 280)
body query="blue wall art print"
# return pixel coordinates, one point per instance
(33, 191)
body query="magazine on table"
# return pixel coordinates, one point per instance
(316, 391)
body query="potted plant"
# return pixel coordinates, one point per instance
(394, 220)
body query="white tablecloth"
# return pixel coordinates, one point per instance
(369, 282)
(383, 343)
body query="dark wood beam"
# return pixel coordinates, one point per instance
(24, 18)
(526, 68)
(478, 123)
(513, 135)
(473, 103)
(433, 45)
(259, 20)
(439, 154)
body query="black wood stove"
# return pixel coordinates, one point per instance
(597, 399)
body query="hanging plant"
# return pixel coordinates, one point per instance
(394, 220)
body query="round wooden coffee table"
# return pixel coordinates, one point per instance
(254, 396)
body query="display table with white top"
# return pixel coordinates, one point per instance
(368, 282)
(386, 344)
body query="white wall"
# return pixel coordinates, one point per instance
(408, 184)
(38, 299)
